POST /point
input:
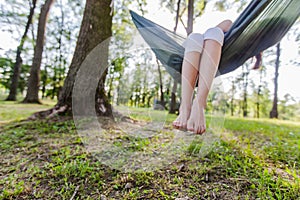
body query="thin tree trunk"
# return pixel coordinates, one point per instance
(162, 99)
(59, 76)
(245, 94)
(173, 107)
(44, 81)
(232, 98)
(54, 82)
(257, 107)
(119, 101)
(190, 17)
(110, 87)
(274, 111)
(177, 15)
(258, 95)
(245, 101)
(17, 67)
(34, 78)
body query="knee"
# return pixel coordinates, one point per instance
(215, 34)
(225, 25)
(194, 43)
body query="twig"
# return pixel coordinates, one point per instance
(76, 190)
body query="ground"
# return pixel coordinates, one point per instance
(47, 159)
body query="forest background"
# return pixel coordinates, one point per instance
(244, 92)
(50, 93)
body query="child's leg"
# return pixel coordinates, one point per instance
(213, 41)
(190, 68)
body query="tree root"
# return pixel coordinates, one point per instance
(51, 113)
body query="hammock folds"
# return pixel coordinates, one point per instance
(261, 25)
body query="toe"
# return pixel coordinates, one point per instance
(175, 125)
(190, 126)
(198, 130)
(203, 129)
(183, 126)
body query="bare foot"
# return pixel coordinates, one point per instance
(181, 120)
(196, 122)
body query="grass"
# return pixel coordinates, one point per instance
(15, 111)
(47, 159)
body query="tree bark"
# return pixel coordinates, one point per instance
(17, 67)
(177, 15)
(232, 98)
(190, 17)
(96, 28)
(173, 106)
(259, 95)
(245, 94)
(274, 111)
(102, 106)
(44, 82)
(34, 78)
(162, 99)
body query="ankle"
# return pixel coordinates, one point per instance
(185, 108)
(201, 102)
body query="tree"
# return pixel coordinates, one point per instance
(258, 98)
(287, 107)
(161, 87)
(245, 91)
(96, 27)
(142, 80)
(274, 111)
(34, 78)
(189, 28)
(173, 107)
(62, 33)
(243, 81)
(17, 66)
(232, 93)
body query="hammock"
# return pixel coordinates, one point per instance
(261, 25)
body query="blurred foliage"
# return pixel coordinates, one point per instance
(6, 68)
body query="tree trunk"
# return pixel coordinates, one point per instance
(177, 15)
(232, 98)
(44, 82)
(162, 99)
(102, 105)
(173, 106)
(34, 78)
(274, 111)
(17, 67)
(190, 17)
(60, 68)
(259, 95)
(89, 65)
(245, 95)
(110, 88)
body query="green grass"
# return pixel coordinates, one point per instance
(275, 139)
(12, 111)
(46, 159)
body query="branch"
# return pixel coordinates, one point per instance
(180, 17)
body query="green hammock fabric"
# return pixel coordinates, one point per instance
(261, 25)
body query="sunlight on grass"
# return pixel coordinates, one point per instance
(15, 111)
